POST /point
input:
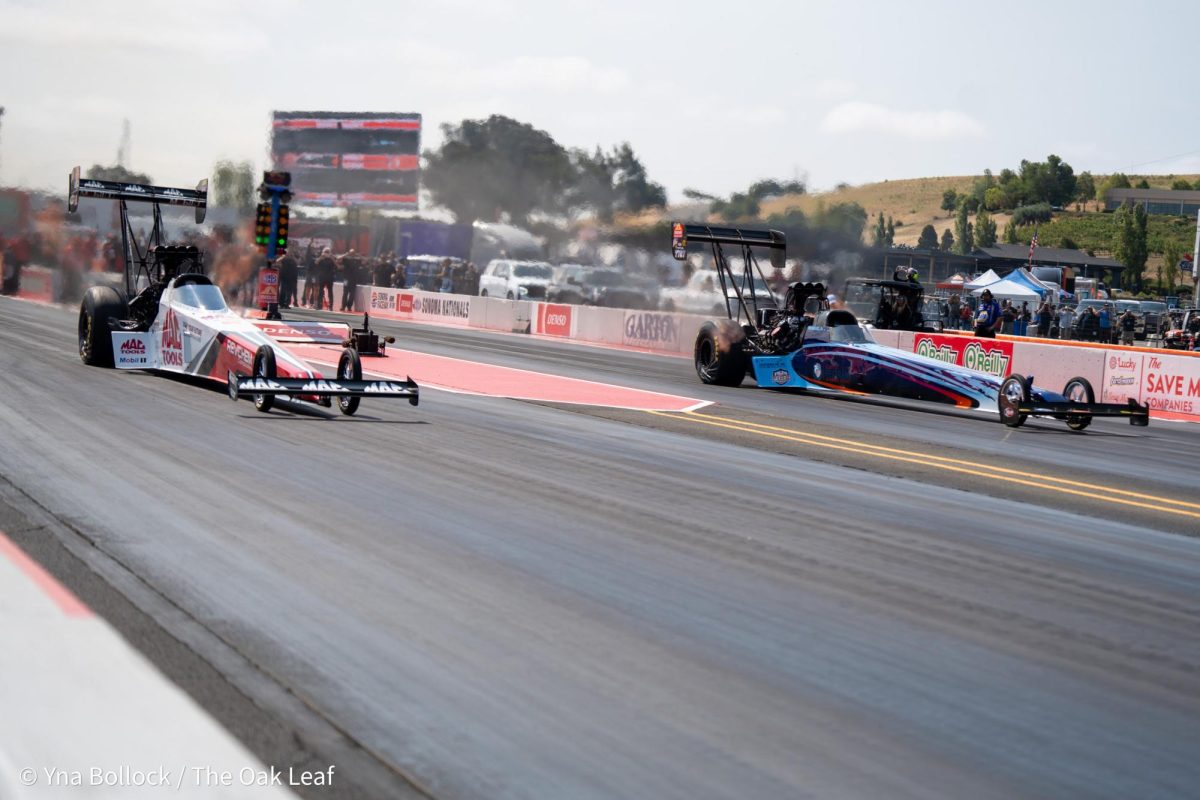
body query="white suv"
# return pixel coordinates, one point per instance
(515, 280)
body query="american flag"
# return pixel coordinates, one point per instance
(1032, 247)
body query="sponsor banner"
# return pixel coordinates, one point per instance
(651, 330)
(381, 299)
(132, 351)
(1122, 377)
(404, 303)
(993, 356)
(554, 319)
(1171, 384)
(442, 307)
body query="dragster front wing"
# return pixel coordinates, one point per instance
(240, 385)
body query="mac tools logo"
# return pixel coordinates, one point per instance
(133, 347)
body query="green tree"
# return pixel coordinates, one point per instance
(963, 233)
(634, 190)
(497, 166)
(1196, 187)
(1010, 232)
(1067, 243)
(233, 185)
(1143, 184)
(985, 229)
(1180, 184)
(950, 200)
(890, 233)
(1131, 246)
(1085, 188)
(994, 198)
(970, 202)
(116, 173)
(739, 206)
(1165, 273)
(879, 234)
(1051, 181)
(928, 239)
(947, 240)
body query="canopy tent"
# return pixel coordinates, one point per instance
(1015, 291)
(955, 281)
(1025, 278)
(985, 279)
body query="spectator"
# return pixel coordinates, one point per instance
(384, 270)
(1128, 321)
(400, 277)
(445, 277)
(326, 269)
(1044, 317)
(965, 315)
(1066, 321)
(1105, 325)
(954, 312)
(472, 279)
(1087, 326)
(288, 273)
(990, 317)
(352, 275)
(1008, 316)
(309, 265)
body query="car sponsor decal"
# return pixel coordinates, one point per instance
(651, 330)
(781, 377)
(172, 342)
(131, 351)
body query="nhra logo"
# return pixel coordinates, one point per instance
(781, 376)
(133, 347)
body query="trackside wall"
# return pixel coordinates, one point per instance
(1169, 381)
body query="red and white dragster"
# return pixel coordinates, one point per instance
(177, 321)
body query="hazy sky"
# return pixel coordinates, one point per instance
(710, 95)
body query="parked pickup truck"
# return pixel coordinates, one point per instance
(702, 294)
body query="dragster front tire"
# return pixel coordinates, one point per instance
(719, 356)
(99, 305)
(1012, 393)
(349, 369)
(1079, 390)
(264, 367)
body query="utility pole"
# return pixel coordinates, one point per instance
(1196, 266)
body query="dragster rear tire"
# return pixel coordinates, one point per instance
(719, 356)
(99, 305)
(1012, 393)
(1079, 390)
(264, 367)
(349, 369)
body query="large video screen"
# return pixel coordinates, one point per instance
(349, 158)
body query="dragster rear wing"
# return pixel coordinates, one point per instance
(684, 232)
(143, 193)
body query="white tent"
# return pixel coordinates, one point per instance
(1006, 289)
(985, 279)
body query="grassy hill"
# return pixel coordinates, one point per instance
(916, 202)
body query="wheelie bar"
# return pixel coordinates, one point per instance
(1138, 413)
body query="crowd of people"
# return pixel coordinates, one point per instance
(321, 269)
(988, 317)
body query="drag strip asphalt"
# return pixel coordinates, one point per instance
(502, 599)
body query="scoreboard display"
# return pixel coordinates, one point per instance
(349, 158)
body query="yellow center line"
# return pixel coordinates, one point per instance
(851, 446)
(944, 460)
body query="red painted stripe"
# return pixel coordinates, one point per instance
(456, 374)
(70, 605)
